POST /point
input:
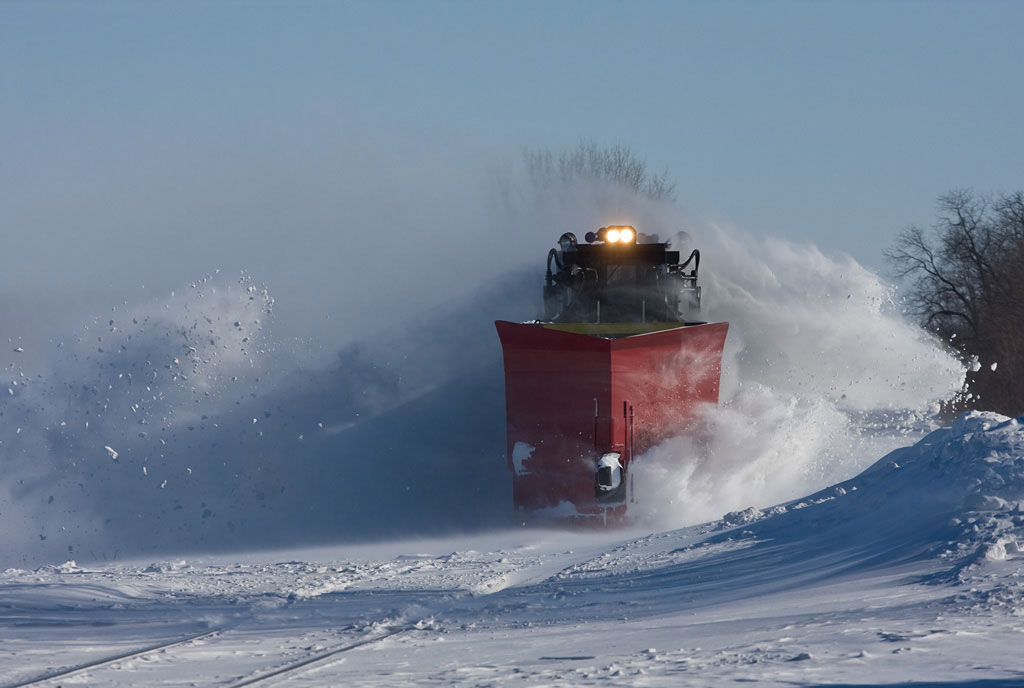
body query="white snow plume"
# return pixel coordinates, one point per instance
(90, 447)
(217, 440)
(532, 215)
(821, 327)
(821, 374)
(181, 426)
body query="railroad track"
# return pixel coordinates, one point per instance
(318, 657)
(258, 677)
(68, 671)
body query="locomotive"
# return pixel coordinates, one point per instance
(618, 364)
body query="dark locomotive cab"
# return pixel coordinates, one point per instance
(612, 278)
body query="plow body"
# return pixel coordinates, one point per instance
(584, 400)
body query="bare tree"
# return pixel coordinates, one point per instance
(615, 164)
(964, 281)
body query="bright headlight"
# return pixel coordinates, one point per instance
(626, 235)
(612, 236)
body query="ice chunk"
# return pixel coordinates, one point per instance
(748, 515)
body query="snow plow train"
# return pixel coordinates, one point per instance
(618, 364)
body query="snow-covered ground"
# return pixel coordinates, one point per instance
(910, 571)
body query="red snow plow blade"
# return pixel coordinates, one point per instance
(583, 399)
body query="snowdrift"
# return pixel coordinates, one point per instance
(947, 510)
(849, 584)
(955, 497)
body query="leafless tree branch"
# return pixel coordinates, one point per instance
(964, 281)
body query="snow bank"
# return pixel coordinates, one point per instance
(956, 496)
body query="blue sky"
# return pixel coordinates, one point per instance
(150, 141)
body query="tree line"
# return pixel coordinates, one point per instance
(964, 281)
(617, 165)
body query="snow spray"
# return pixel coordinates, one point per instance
(821, 375)
(181, 424)
(821, 372)
(103, 451)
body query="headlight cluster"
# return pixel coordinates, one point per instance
(619, 235)
(613, 234)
